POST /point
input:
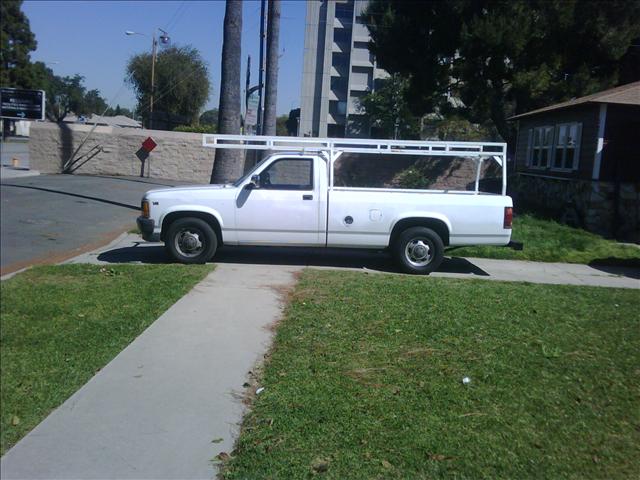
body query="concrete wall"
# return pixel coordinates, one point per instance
(178, 156)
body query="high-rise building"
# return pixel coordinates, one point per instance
(338, 70)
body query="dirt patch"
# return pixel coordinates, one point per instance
(59, 257)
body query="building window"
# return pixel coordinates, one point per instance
(540, 147)
(344, 11)
(339, 84)
(337, 108)
(567, 148)
(342, 35)
(340, 60)
(336, 131)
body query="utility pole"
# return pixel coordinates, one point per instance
(164, 38)
(154, 47)
(246, 93)
(263, 4)
(271, 87)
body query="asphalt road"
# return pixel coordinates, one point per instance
(48, 216)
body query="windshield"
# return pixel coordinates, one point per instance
(239, 182)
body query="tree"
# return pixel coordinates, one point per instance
(93, 103)
(16, 41)
(65, 95)
(209, 117)
(271, 83)
(502, 58)
(112, 112)
(293, 122)
(281, 125)
(229, 164)
(181, 84)
(388, 109)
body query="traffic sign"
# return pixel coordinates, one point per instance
(149, 145)
(20, 104)
(251, 115)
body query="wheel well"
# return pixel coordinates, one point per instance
(207, 217)
(434, 224)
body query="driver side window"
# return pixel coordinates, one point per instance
(288, 174)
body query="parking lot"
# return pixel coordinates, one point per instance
(53, 216)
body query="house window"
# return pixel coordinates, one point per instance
(541, 146)
(567, 148)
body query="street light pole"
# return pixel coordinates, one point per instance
(164, 38)
(153, 78)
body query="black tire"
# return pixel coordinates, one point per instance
(426, 254)
(191, 240)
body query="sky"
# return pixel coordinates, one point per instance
(87, 38)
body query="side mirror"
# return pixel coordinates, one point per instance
(255, 181)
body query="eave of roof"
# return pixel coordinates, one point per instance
(628, 94)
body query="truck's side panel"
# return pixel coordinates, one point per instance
(471, 219)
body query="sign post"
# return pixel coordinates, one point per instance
(17, 104)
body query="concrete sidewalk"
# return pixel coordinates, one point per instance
(154, 410)
(129, 248)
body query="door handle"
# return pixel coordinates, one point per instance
(307, 197)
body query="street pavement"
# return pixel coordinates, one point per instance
(172, 400)
(51, 217)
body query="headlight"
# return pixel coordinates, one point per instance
(145, 208)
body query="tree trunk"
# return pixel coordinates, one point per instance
(271, 84)
(229, 164)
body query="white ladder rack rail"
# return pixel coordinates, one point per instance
(333, 147)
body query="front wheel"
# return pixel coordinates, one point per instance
(191, 240)
(419, 250)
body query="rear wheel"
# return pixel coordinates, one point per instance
(419, 250)
(191, 240)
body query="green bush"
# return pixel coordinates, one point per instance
(196, 128)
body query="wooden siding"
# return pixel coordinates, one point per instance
(621, 154)
(587, 115)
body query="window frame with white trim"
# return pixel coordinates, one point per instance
(541, 142)
(567, 142)
(545, 142)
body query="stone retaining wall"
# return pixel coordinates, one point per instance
(586, 204)
(178, 156)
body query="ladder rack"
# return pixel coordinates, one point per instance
(333, 147)
(357, 145)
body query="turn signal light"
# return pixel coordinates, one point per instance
(145, 209)
(508, 217)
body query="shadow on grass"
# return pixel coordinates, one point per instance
(300, 256)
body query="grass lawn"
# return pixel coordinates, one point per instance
(549, 241)
(365, 381)
(59, 325)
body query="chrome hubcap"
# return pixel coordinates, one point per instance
(188, 243)
(418, 253)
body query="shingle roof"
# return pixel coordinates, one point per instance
(628, 94)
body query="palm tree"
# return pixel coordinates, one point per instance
(229, 163)
(271, 84)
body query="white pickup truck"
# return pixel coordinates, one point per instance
(289, 199)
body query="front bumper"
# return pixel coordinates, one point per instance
(146, 226)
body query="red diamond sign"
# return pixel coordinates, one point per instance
(149, 145)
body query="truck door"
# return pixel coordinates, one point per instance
(284, 209)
